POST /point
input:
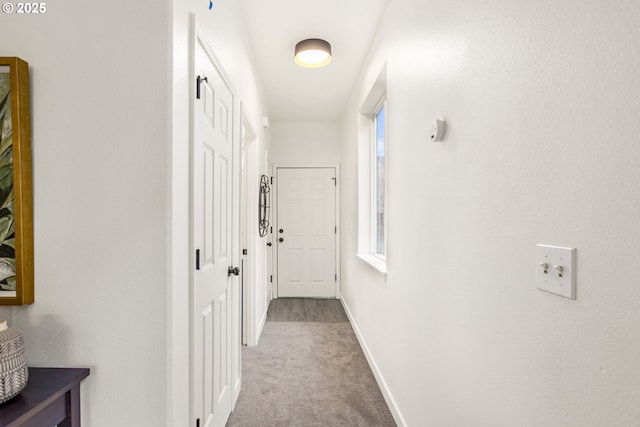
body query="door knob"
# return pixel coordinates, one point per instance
(281, 231)
(269, 244)
(233, 270)
(281, 240)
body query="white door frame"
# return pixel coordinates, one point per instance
(270, 250)
(251, 323)
(274, 201)
(198, 37)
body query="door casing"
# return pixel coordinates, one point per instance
(253, 318)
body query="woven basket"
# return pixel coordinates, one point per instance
(13, 363)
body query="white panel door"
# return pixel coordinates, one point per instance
(212, 215)
(306, 232)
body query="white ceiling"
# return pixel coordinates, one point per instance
(296, 94)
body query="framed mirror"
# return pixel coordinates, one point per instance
(16, 211)
(264, 200)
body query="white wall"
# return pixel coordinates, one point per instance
(541, 101)
(225, 29)
(99, 120)
(305, 143)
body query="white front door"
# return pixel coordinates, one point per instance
(306, 232)
(213, 297)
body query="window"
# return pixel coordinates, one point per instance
(372, 171)
(378, 196)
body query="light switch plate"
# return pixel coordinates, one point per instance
(556, 270)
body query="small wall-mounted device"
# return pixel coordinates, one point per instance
(437, 130)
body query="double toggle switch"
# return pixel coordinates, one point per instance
(556, 270)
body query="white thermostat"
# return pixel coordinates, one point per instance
(437, 130)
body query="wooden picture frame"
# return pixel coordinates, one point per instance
(16, 201)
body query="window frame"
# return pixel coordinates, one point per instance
(367, 153)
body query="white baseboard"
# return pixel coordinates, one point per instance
(391, 403)
(261, 325)
(254, 336)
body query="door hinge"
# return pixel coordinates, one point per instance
(336, 277)
(335, 181)
(271, 230)
(198, 422)
(199, 81)
(270, 279)
(335, 229)
(197, 259)
(271, 180)
(244, 252)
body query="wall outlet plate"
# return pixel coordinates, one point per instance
(556, 270)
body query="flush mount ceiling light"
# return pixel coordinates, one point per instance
(312, 53)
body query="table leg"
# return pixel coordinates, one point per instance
(73, 408)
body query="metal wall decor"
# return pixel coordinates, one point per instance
(264, 202)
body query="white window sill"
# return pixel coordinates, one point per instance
(374, 262)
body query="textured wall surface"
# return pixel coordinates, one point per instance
(541, 101)
(99, 120)
(306, 143)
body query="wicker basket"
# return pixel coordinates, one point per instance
(13, 363)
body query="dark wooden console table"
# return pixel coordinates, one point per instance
(51, 397)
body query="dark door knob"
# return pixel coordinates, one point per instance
(233, 270)
(281, 231)
(281, 240)
(269, 244)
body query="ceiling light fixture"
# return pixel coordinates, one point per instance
(312, 53)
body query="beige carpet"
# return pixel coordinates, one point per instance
(308, 373)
